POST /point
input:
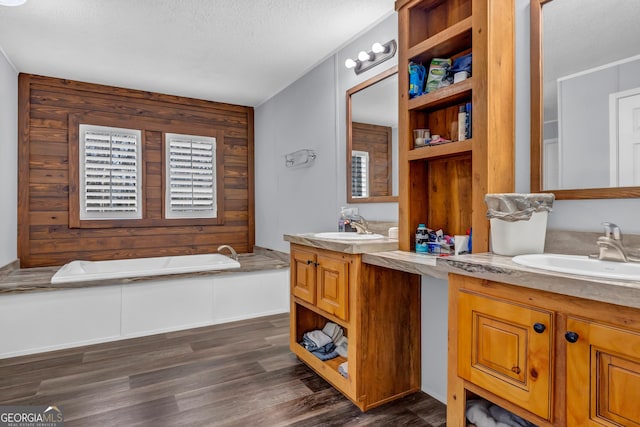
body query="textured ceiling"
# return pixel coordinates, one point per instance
(236, 51)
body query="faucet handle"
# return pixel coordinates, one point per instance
(612, 230)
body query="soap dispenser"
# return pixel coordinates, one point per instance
(342, 219)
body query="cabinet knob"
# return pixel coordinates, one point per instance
(539, 327)
(309, 262)
(571, 337)
(515, 370)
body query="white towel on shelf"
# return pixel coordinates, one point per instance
(342, 346)
(333, 330)
(319, 338)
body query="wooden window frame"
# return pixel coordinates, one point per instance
(144, 125)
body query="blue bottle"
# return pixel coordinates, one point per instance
(422, 239)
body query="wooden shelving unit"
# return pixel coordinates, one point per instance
(338, 287)
(444, 186)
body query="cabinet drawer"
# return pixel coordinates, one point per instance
(506, 349)
(603, 375)
(332, 290)
(303, 275)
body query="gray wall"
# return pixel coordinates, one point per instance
(8, 160)
(310, 113)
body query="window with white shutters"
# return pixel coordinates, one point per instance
(359, 174)
(110, 173)
(190, 173)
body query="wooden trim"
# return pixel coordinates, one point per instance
(537, 119)
(132, 93)
(24, 119)
(536, 96)
(355, 89)
(251, 179)
(405, 209)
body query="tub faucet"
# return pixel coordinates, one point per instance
(233, 253)
(359, 223)
(611, 247)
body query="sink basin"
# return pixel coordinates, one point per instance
(336, 235)
(583, 265)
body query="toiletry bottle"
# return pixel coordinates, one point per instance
(342, 219)
(467, 109)
(462, 123)
(422, 239)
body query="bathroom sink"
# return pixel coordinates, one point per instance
(336, 235)
(583, 265)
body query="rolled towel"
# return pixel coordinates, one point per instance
(504, 416)
(478, 414)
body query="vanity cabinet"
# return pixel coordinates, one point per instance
(379, 312)
(603, 374)
(505, 348)
(554, 360)
(444, 185)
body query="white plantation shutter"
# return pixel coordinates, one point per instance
(359, 174)
(110, 177)
(190, 190)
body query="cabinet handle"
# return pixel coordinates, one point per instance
(515, 370)
(571, 337)
(309, 262)
(317, 264)
(539, 327)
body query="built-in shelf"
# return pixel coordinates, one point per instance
(452, 40)
(448, 95)
(441, 150)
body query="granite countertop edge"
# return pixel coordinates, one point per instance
(502, 269)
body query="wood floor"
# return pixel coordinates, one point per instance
(236, 374)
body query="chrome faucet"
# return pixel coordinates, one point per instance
(233, 253)
(359, 223)
(611, 247)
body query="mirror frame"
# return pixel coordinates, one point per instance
(357, 88)
(537, 119)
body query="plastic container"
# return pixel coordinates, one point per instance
(422, 239)
(519, 237)
(518, 222)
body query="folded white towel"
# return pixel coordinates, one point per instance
(319, 338)
(333, 330)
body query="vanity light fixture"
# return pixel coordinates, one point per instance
(12, 2)
(367, 60)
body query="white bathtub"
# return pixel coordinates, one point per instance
(82, 271)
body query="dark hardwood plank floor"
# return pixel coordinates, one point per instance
(235, 374)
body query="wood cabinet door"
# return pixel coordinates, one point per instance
(506, 348)
(603, 375)
(303, 275)
(332, 286)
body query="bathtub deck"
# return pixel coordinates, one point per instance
(39, 279)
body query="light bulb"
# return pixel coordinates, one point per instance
(378, 48)
(364, 56)
(350, 63)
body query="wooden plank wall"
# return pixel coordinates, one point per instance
(44, 235)
(376, 140)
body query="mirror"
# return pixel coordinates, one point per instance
(372, 139)
(585, 98)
